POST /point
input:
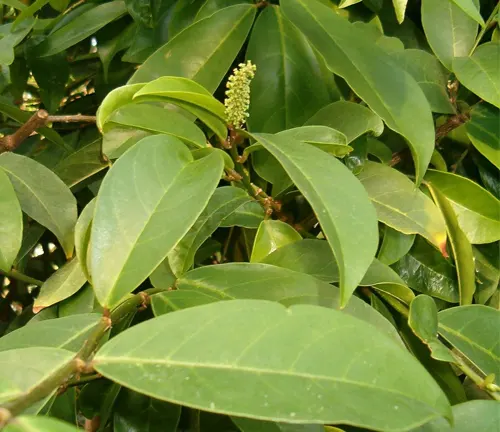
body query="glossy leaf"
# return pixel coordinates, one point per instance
(487, 276)
(115, 99)
(240, 332)
(68, 333)
(353, 236)
(400, 205)
(79, 29)
(82, 302)
(425, 270)
(430, 76)
(202, 52)
(371, 73)
(461, 247)
(43, 196)
(352, 119)
(395, 245)
(38, 364)
(129, 235)
(471, 8)
(479, 72)
(247, 215)
(82, 236)
(82, 164)
(267, 282)
(400, 9)
(39, 424)
(223, 203)
(11, 229)
(271, 236)
(477, 210)
(171, 301)
(252, 425)
(483, 131)
(449, 30)
(473, 331)
(423, 320)
(322, 137)
(63, 283)
(12, 37)
(280, 96)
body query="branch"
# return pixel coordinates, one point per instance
(11, 142)
(77, 118)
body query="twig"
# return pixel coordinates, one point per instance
(77, 118)
(487, 25)
(11, 142)
(14, 274)
(452, 123)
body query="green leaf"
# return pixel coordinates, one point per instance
(115, 99)
(473, 330)
(400, 9)
(38, 424)
(97, 398)
(352, 119)
(352, 236)
(251, 425)
(63, 283)
(12, 37)
(223, 203)
(380, 150)
(68, 333)
(400, 205)
(430, 76)
(43, 196)
(82, 302)
(157, 120)
(38, 364)
(31, 237)
(479, 72)
(204, 51)
(247, 339)
(247, 215)
(266, 282)
(82, 236)
(471, 8)
(487, 276)
(81, 164)
(171, 301)
(423, 320)
(59, 5)
(155, 181)
(461, 247)
(371, 73)
(107, 50)
(134, 412)
(395, 245)
(271, 236)
(280, 97)
(449, 30)
(482, 415)
(11, 229)
(322, 137)
(482, 130)
(210, 7)
(476, 209)
(81, 28)
(425, 270)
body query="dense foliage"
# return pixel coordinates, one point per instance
(236, 215)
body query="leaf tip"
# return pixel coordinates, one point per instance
(37, 309)
(442, 247)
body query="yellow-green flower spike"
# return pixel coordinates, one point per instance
(238, 94)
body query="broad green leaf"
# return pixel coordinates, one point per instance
(31, 237)
(252, 425)
(115, 99)
(134, 412)
(97, 398)
(473, 330)
(29, 11)
(171, 301)
(12, 37)
(395, 245)
(487, 276)
(471, 8)
(425, 270)
(210, 7)
(82, 164)
(352, 119)
(449, 30)
(16, 4)
(68, 333)
(38, 364)
(380, 150)
(178, 89)
(461, 247)
(477, 210)
(280, 97)
(117, 140)
(247, 339)
(402, 206)
(39, 424)
(62, 284)
(11, 228)
(480, 415)
(81, 28)
(149, 200)
(82, 236)
(353, 236)
(479, 72)
(247, 215)
(371, 73)
(158, 120)
(107, 50)
(423, 320)
(82, 302)
(271, 236)
(400, 9)
(347, 3)
(484, 133)
(438, 161)
(322, 137)
(202, 52)
(266, 282)
(430, 76)
(43, 196)
(222, 203)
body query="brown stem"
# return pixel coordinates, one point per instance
(11, 142)
(452, 123)
(77, 118)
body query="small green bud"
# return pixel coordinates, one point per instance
(238, 94)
